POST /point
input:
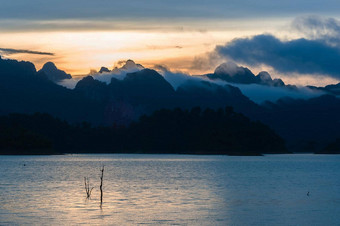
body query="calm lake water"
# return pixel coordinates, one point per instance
(171, 190)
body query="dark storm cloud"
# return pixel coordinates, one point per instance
(300, 56)
(14, 51)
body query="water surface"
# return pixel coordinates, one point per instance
(171, 190)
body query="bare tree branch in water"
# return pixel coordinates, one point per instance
(87, 187)
(101, 187)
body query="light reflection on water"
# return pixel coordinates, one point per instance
(171, 189)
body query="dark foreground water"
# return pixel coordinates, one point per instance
(171, 190)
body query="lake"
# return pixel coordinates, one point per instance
(171, 190)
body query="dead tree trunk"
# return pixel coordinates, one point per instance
(101, 186)
(87, 187)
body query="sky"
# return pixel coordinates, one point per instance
(294, 40)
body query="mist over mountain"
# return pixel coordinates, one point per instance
(231, 72)
(146, 91)
(259, 88)
(330, 89)
(106, 74)
(303, 116)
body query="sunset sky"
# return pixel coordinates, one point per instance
(190, 36)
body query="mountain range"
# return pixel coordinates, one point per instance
(121, 95)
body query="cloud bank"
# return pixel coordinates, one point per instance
(317, 53)
(296, 56)
(256, 92)
(260, 93)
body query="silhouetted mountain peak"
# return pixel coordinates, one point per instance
(88, 81)
(145, 74)
(231, 72)
(229, 68)
(331, 89)
(91, 88)
(103, 70)
(335, 86)
(148, 81)
(16, 68)
(53, 73)
(49, 66)
(278, 83)
(88, 78)
(264, 77)
(128, 67)
(131, 65)
(335, 89)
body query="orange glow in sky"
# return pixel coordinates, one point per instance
(79, 51)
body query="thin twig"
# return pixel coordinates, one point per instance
(87, 187)
(101, 187)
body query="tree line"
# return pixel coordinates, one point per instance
(179, 131)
